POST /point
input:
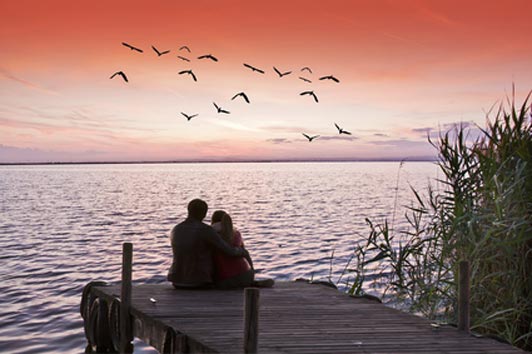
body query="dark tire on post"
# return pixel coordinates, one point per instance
(168, 341)
(87, 325)
(114, 325)
(99, 338)
(87, 299)
(84, 306)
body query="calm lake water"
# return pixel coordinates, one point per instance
(63, 226)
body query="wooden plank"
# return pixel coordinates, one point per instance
(294, 318)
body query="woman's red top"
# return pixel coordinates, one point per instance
(227, 266)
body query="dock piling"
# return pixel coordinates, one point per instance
(126, 330)
(463, 297)
(251, 320)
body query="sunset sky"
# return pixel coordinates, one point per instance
(405, 68)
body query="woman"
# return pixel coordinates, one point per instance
(231, 272)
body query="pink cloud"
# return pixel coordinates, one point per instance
(8, 75)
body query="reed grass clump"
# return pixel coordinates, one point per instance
(479, 211)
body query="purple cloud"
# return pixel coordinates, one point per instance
(339, 137)
(279, 141)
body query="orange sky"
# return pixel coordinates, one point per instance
(404, 67)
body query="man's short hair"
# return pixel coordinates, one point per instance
(197, 209)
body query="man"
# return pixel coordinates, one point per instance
(193, 243)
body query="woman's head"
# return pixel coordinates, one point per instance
(217, 216)
(227, 228)
(224, 225)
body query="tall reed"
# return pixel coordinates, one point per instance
(480, 211)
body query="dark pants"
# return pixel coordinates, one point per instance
(193, 286)
(238, 281)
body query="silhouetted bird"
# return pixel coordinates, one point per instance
(310, 138)
(190, 73)
(306, 80)
(219, 109)
(280, 73)
(307, 69)
(207, 56)
(244, 96)
(254, 68)
(160, 53)
(185, 48)
(310, 93)
(183, 58)
(340, 130)
(189, 117)
(121, 73)
(329, 77)
(132, 48)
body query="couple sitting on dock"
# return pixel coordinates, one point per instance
(210, 256)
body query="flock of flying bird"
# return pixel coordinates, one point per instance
(240, 94)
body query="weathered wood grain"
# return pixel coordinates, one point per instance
(294, 317)
(463, 297)
(251, 319)
(126, 333)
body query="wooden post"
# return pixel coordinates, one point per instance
(463, 297)
(251, 320)
(126, 335)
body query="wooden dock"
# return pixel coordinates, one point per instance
(294, 317)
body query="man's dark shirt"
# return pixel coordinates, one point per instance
(193, 243)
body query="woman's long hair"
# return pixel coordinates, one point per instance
(217, 216)
(227, 230)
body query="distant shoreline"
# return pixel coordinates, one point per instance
(211, 161)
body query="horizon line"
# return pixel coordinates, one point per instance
(142, 162)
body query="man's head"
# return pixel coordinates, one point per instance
(197, 209)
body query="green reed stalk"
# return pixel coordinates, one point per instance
(481, 211)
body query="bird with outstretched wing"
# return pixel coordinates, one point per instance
(220, 109)
(341, 131)
(280, 73)
(208, 56)
(310, 93)
(310, 138)
(189, 117)
(158, 52)
(120, 73)
(330, 77)
(254, 68)
(243, 95)
(189, 72)
(132, 47)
